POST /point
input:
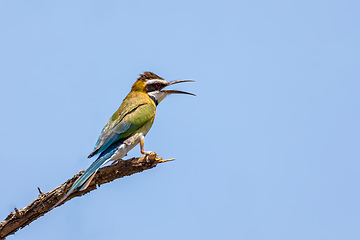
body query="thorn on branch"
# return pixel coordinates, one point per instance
(17, 213)
(40, 192)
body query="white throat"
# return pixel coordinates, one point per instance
(157, 96)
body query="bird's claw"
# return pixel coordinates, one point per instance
(156, 157)
(149, 153)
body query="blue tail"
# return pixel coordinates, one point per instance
(84, 180)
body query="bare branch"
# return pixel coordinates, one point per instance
(46, 201)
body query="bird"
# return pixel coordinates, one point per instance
(128, 126)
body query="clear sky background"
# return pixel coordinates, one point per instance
(268, 149)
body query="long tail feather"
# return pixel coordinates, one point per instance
(84, 180)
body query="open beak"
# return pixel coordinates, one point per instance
(168, 92)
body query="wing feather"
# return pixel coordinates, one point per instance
(124, 123)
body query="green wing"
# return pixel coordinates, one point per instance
(125, 121)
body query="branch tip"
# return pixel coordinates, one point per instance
(160, 160)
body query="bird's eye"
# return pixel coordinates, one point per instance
(157, 85)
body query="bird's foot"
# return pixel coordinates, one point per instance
(148, 153)
(153, 157)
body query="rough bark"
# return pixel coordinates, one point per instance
(46, 201)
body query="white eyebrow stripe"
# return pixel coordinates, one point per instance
(152, 81)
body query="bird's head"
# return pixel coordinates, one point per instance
(153, 85)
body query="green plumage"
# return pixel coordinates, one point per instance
(136, 110)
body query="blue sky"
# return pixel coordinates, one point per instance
(268, 149)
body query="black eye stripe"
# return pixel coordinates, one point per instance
(153, 87)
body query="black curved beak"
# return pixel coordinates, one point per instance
(176, 91)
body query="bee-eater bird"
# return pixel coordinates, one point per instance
(128, 126)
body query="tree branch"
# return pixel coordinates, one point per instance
(46, 201)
